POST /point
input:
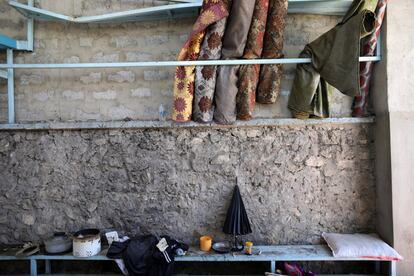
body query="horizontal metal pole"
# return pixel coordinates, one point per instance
(168, 63)
(171, 124)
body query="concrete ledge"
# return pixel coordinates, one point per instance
(170, 124)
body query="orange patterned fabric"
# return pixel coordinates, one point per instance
(211, 12)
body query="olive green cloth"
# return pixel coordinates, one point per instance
(335, 61)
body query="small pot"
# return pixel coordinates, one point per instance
(59, 243)
(86, 243)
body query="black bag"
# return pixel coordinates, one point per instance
(142, 257)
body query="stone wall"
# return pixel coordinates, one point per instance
(296, 181)
(117, 94)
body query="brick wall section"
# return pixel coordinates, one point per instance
(116, 94)
(296, 182)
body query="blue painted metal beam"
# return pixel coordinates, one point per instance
(7, 42)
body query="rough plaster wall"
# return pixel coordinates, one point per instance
(116, 94)
(296, 182)
(400, 56)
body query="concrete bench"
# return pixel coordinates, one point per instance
(271, 254)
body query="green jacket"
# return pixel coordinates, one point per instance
(335, 61)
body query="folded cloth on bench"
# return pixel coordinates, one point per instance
(360, 246)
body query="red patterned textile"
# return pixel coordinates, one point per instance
(366, 68)
(249, 74)
(271, 75)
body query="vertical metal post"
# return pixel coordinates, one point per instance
(48, 268)
(377, 267)
(33, 267)
(273, 266)
(30, 28)
(393, 268)
(10, 87)
(378, 50)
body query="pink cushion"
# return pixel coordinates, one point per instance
(360, 246)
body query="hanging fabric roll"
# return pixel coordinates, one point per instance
(234, 42)
(335, 61)
(249, 74)
(205, 77)
(366, 68)
(271, 75)
(211, 12)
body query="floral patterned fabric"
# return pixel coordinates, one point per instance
(249, 74)
(234, 42)
(205, 77)
(271, 75)
(211, 12)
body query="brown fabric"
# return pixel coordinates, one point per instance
(205, 81)
(246, 96)
(249, 74)
(271, 75)
(234, 42)
(211, 12)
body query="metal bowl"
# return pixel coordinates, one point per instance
(59, 243)
(222, 247)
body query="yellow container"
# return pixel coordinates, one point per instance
(206, 243)
(248, 248)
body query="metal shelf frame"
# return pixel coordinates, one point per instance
(172, 11)
(26, 45)
(7, 70)
(184, 8)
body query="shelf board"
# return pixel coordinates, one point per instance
(287, 122)
(174, 11)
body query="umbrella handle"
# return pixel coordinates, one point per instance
(237, 246)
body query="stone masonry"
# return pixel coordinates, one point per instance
(296, 181)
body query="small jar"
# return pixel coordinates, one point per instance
(248, 248)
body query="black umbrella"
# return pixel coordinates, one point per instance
(237, 223)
